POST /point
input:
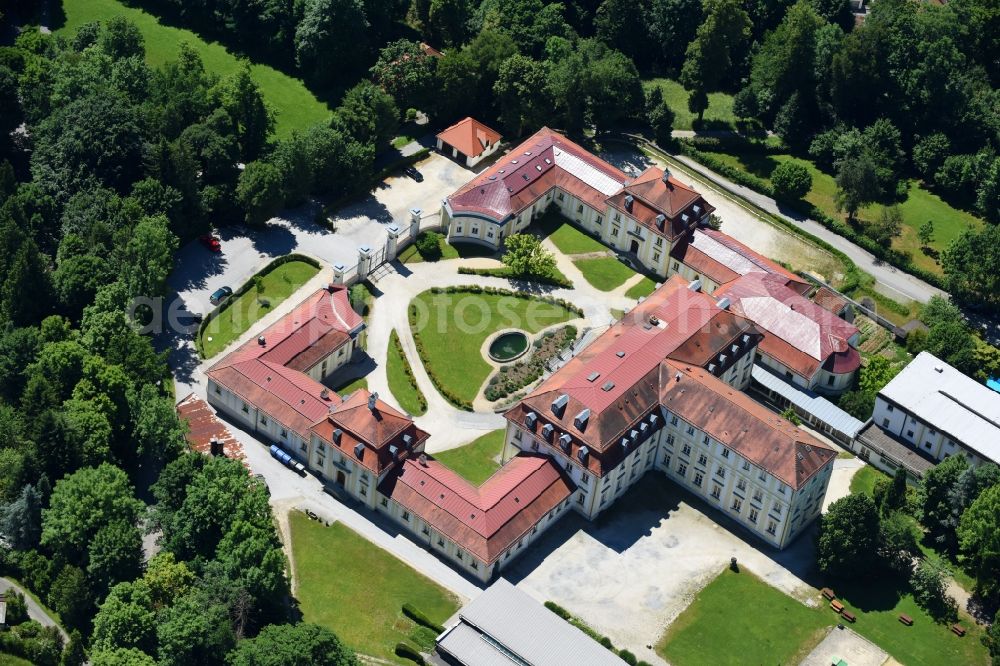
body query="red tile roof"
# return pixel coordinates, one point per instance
(487, 520)
(204, 425)
(377, 430)
(797, 332)
(470, 136)
(271, 376)
(830, 300)
(723, 258)
(742, 424)
(545, 160)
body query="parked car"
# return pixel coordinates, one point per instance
(220, 294)
(414, 173)
(211, 242)
(267, 488)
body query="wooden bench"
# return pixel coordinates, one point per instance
(906, 619)
(837, 606)
(848, 615)
(828, 594)
(958, 629)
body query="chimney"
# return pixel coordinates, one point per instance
(666, 179)
(325, 394)
(372, 399)
(677, 377)
(629, 199)
(422, 460)
(261, 340)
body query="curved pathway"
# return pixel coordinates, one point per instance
(450, 426)
(35, 610)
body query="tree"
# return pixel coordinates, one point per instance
(158, 433)
(330, 40)
(926, 233)
(70, 596)
(241, 97)
(898, 542)
(988, 193)
(791, 180)
(992, 638)
(886, 227)
(193, 630)
(17, 608)
(673, 24)
(167, 579)
(979, 540)
(259, 192)
(447, 21)
(114, 556)
(252, 555)
(972, 266)
(520, 92)
(791, 416)
(121, 657)
(857, 184)
(74, 654)
(848, 537)
(21, 520)
(970, 485)
(368, 114)
(895, 497)
(525, 256)
(624, 25)
(929, 154)
(121, 38)
(405, 72)
(715, 58)
(935, 492)
(83, 503)
(661, 119)
(148, 257)
(930, 590)
(26, 293)
(126, 619)
(290, 645)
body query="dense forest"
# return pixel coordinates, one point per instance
(107, 164)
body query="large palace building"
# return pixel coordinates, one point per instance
(659, 391)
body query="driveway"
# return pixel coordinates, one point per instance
(35, 611)
(630, 573)
(197, 272)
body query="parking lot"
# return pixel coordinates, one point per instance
(631, 572)
(198, 272)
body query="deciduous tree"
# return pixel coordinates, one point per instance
(289, 645)
(849, 537)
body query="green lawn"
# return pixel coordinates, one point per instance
(11, 660)
(718, 115)
(295, 107)
(739, 619)
(351, 385)
(772, 628)
(241, 312)
(920, 205)
(357, 590)
(475, 461)
(401, 381)
(864, 480)
(409, 255)
(453, 327)
(568, 238)
(643, 287)
(604, 273)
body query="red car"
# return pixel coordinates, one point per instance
(211, 242)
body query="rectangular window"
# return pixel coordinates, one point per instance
(406, 516)
(742, 484)
(218, 391)
(559, 196)
(686, 450)
(698, 477)
(772, 527)
(670, 439)
(614, 231)
(658, 242)
(440, 542)
(284, 433)
(746, 466)
(246, 410)
(716, 491)
(263, 420)
(302, 447)
(753, 515)
(385, 502)
(830, 380)
(737, 504)
(758, 496)
(618, 217)
(475, 566)
(579, 208)
(656, 257)
(777, 508)
(599, 220)
(721, 472)
(675, 267)
(690, 430)
(890, 408)
(702, 459)
(673, 420)
(682, 469)
(585, 479)
(364, 491)
(489, 234)
(458, 229)
(781, 489)
(458, 555)
(725, 453)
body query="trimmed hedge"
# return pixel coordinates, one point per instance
(407, 651)
(421, 400)
(628, 657)
(244, 288)
(558, 610)
(554, 280)
(414, 613)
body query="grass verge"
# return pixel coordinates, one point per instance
(738, 609)
(295, 107)
(475, 462)
(401, 382)
(241, 312)
(604, 273)
(642, 288)
(566, 237)
(864, 480)
(718, 115)
(357, 590)
(450, 328)
(351, 385)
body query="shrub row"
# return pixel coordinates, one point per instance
(409, 372)
(900, 260)
(244, 288)
(461, 403)
(554, 280)
(407, 651)
(415, 614)
(500, 291)
(625, 655)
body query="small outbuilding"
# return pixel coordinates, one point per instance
(468, 140)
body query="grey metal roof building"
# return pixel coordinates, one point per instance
(503, 626)
(810, 403)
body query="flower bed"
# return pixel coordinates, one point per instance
(511, 378)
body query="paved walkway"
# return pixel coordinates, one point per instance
(35, 610)
(898, 283)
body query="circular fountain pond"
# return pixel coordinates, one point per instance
(508, 346)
